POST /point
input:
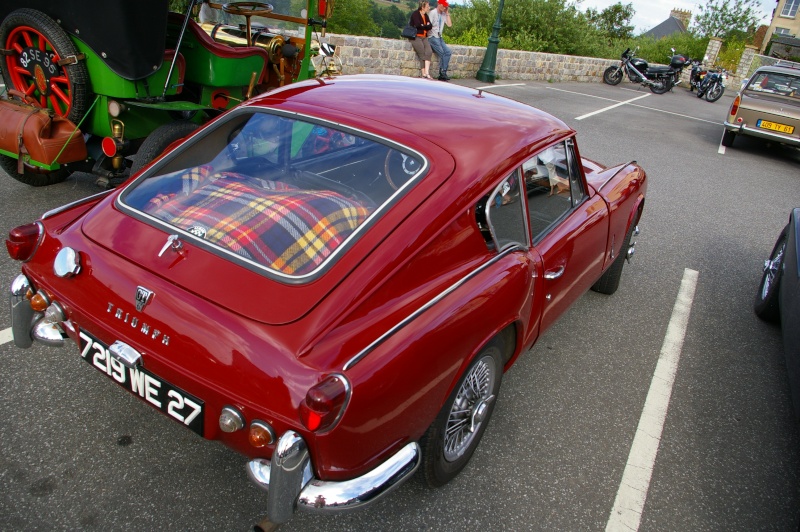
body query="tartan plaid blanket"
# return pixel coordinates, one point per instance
(272, 223)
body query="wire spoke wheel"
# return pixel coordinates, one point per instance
(42, 63)
(766, 304)
(469, 408)
(452, 438)
(772, 268)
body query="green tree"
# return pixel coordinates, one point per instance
(353, 17)
(615, 20)
(390, 20)
(553, 26)
(727, 18)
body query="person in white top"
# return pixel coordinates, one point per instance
(440, 17)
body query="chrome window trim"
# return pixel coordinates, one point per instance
(57, 210)
(428, 305)
(253, 265)
(523, 205)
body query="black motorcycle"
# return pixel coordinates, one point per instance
(658, 78)
(677, 62)
(696, 75)
(712, 85)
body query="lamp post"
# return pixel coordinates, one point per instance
(486, 72)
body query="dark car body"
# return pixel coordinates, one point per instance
(778, 298)
(324, 278)
(767, 107)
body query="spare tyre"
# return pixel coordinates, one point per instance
(42, 62)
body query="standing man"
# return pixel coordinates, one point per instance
(440, 17)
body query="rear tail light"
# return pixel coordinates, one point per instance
(735, 106)
(325, 403)
(109, 146)
(23, 240)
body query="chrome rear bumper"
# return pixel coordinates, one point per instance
(291, 485)
(742, 129)
(27, 325)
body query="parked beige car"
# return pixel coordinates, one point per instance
(768, 106)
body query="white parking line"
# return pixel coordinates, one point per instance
(582, 94)
(611, 107)
(5, 336)
(632, 105)
(721, 149)
(627, 512)
(499, 86)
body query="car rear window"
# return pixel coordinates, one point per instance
(775, 83)
(283, 193)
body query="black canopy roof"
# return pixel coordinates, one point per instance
(130, 33)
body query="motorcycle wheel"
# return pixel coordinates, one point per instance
(65, 89)
(612, 75)
(661, 85)
(714, 93)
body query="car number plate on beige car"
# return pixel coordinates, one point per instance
(775, 126)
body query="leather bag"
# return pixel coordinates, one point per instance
(409, 32)
(27, 129)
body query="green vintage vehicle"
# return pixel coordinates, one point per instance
(115, 82)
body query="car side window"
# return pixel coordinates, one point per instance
(553, 185)
(504, 212)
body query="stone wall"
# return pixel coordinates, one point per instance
(374, 55)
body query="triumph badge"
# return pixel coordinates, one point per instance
(143, 297)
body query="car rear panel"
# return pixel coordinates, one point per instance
(207, 351)
(769, 114)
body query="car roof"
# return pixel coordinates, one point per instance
(477, 128)
(781, 68)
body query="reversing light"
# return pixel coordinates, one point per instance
(735, 105)
(261, 434)
(22, 241)
(230, 420)
(54, 313)
(325, 403)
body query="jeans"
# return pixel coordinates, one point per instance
(443, 51)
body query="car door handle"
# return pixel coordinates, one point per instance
(555, 273)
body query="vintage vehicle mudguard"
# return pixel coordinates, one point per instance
(130, 34)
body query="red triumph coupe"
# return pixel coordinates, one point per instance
(332, 277)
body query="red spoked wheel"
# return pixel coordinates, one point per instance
(42, 63)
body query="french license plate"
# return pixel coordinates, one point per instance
(775, 126)
(158, 393)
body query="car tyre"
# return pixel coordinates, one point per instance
(159, 140)
(34, 179)
(612, 75)
(727, 138)
(451, 439)
(609, 281)
(766, 304)
(67, 94)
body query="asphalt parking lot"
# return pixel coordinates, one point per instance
(76, 452)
